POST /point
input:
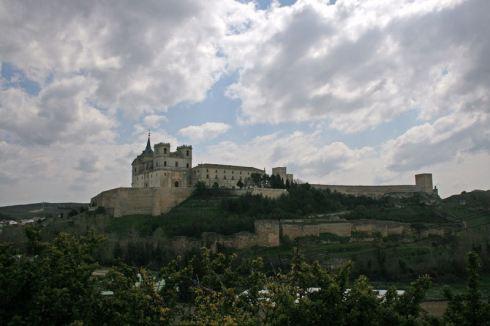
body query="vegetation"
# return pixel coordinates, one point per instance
(17, 212)
(53, 283)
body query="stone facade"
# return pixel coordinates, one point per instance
(225, 176)
(423, 183)
(148, 201)
(161, 168)
(281, 172)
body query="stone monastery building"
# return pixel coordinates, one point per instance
(161, 168)
(161, 179)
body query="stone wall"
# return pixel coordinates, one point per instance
(148, 201)
(268, 233)
(302, 228)
(269, 192)
(371, 191)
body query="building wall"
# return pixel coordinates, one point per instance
(226, 176)
(163, 168)
(148, 201)
(371, 191)
(424, 180)
(281, 171)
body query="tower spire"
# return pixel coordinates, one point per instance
(148, 145)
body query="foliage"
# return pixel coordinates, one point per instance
(469, 308)
(53, 284)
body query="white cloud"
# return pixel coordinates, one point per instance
(361, 63)
(154, 121)
(208, 130)
(143, 57)
(447, 138)
(60, 112)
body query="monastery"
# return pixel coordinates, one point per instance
(161, 179)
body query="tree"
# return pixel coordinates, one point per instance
(240, 183)
(256, 179)
(468, 308)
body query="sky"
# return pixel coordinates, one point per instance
(341, 92)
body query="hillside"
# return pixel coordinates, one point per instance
(148, 240)
(16, 212)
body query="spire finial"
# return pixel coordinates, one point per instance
(148, 145)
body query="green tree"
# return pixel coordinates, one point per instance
(468, 308)
(240, 183)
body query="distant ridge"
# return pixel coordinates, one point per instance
(42, 209)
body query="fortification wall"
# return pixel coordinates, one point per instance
(149, 201)
(371, 191)
(269, 232)
(300, 228)
(269, 192)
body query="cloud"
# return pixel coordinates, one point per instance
(144, 57)
(60, 112)
(447, 138)
(154, 121)
(304, 153)
(358, 64)
(207, 130)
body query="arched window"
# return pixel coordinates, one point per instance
(187, 153)
(176, 184)
(176, 164)
(164, 163)
(165, 151)
(187, 165)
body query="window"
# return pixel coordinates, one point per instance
(232, 178)
(176, 184)
(216, 177)
(207, 176)
(225, 177)
(187, 165)
(165, 151)
(164, 163)
(232, 172)
(187, 153)
(176, 164)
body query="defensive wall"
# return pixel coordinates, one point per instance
(268, 233)
(423, 183)
(371, 191)
(156, 201)
(149, 201)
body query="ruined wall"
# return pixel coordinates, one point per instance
(269, 192)
(267, 232)
(148, 201)
(301, 228)
(371, 191)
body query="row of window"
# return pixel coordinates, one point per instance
(224, 177)
(224, 171)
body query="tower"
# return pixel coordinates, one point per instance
(424, 181)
